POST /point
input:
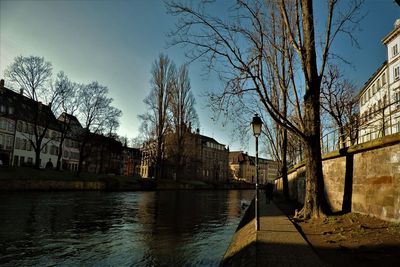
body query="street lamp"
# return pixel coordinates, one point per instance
(256, 125)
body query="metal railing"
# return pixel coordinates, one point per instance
(371, 125)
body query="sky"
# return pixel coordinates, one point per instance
(115, 42)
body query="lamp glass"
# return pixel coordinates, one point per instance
(256, 125)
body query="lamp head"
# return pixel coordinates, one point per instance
(256, 125)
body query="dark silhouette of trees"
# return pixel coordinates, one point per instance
(156, 121)
(183, 118)
(96, 115)
(171, 115)
(66, 105)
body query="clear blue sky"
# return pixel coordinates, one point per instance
(116, 42)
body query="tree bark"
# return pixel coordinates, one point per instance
(314, 203)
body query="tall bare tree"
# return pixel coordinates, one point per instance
(241, 49)
(156, 121)
(33, 74)
(66, 105)
(184, 117)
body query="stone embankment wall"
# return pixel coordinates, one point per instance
(50, 185)
(371, 172)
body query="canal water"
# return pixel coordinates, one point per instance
(165, 228)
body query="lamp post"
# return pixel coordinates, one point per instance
(256, 125)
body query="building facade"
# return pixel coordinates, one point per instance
(131, 161)
(242, 167)
(19, 116)
(205, 159)
(379, 99)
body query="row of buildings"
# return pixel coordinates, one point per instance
(23, 121)
(207, 159)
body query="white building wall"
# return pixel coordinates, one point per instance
(384, 87)
(24, 153)
(393, 50)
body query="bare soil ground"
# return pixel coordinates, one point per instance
(350, 239)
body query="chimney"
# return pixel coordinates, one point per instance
(397, 23)
(198, 131)
(21, 91)
(1, 84)
(49, 105)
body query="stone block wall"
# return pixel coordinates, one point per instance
(374, 174)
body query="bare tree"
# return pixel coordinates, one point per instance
(242, 51)
(111, 123)
(339, 100)
(33, 74)
(184, 117)
(156, 121)
(93, 114)
(66, 105)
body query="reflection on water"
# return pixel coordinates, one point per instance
(167, 228)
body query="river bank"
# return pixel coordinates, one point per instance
(29, 179)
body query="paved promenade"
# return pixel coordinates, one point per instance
(278, 243)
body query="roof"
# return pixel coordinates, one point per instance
(239, 156)
(20, 107)
(391, 34)
(373, 76)
(209, 139)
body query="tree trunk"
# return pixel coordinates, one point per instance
(284, 169)
(37, 156)
(314, 203)
(60, 151)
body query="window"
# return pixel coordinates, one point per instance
(378, 84)
(396, 73)
(19, 126)
(395, 50)
(10, 126)
(397, 99)
(24, 147)
(383, 78)
(17, 143)
(9, 142)
(373, 89)
(3, 109)
(2, 141)
(29, 146)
